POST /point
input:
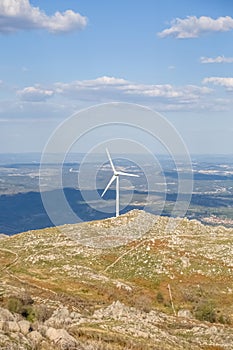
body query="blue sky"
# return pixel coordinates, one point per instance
(175, 57)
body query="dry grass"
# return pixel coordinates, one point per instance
(196, 261)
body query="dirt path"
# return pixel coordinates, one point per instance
(8, 265)
(13, 276)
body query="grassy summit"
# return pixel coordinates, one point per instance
(124, 276)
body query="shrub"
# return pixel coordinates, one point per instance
(205, 311)
(42, 313)
(224, 319)
(29, 313)
(143, 302)
(14, 305)
(159, 297)
(22, 306)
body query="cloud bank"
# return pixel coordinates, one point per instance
(193, 27)
(16, 15)
(35, 94)
(218, 59)
(106, 89)
(225, 82)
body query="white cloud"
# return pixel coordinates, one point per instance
(193, 27)
(163, 97)
(107, 81)
(221, 81)
(110, 88)
(34, 94)
(167, 91)
(95, 84)
(218, 59)
(18, 15)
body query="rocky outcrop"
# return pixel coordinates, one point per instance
(24, 326)
(34, 338)
(118, 230)
(61, 338)
(6, 315)
(61, 317)
(121, 322)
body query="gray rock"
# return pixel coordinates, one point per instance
(212, 330)
(24, 326)
(123, 286)
(59, 318)
(185, 261)
(35, 337)
(61, 313)
(12, 326)
(13, 341)
(185, 313)
(75, 316)
(61, 338)
(42, 329)
(6, 315)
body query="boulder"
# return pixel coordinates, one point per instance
(6, 315)
(185, 313)
(75, 316)
(12, 326)
(61, 313)
(61, 338)
(59, 318)
(35, 337)
(24, 326)
(42, 329)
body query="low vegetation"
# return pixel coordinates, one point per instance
(161, 286)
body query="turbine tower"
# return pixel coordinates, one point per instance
(114, 177)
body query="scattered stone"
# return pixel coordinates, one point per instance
(6, 315)
(12, 326)
(123, 286)
(61, 338)
(75, 315)
(24, 326)
(158, 254)
(185, 261)
(35, 337)
(212, 330)
(185, 314)
(59, 318)
(61, 313)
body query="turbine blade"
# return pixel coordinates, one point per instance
(110, 160)
(108, 185)
(126, 174)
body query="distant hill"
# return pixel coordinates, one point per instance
(138, 281)
(25, 211)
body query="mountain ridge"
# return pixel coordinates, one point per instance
(142, 273)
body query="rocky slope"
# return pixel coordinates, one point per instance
(132, 282)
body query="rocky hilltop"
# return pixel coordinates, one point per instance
(133, 282)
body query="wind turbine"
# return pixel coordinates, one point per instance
(114, 177)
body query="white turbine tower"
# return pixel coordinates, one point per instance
(115, 176)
